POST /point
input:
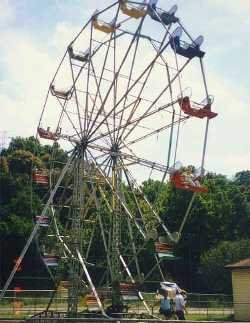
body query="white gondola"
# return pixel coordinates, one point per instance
(61, 94)
(82, 57)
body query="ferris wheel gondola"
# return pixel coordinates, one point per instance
(198, 110)
(132, 10)
(188, 50)
(167, 17)
(187, 179)
(82, 57)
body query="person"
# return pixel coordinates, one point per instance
(179, 305)
(165, 306)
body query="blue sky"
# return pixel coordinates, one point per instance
(35, 34)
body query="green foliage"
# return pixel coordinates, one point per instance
(20, 201)
(4, 167)
(217, 219)
(243, 178)
(221, 214)
(28, 144)
(22, 162)
(213, 262)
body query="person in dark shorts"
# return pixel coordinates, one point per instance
(179, 305)
(165, 306)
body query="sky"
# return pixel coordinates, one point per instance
(34, 36)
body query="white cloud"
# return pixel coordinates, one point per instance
(62, 35)
(239, 8)
(28, 70)
(7, 13)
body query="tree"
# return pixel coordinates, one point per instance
(243, 178)
(22, 162)
(222, 214)
(30, 144)
(4, 167)
(215, 276)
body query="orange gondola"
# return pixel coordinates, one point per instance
(187, 182)
(91, 303)
(198, 110)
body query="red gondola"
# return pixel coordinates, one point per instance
(40, 177)
(47, 134)
(187, 182)
(17, 262)
(43, 221)
(129, 291)
(164, 249)
(198, 110)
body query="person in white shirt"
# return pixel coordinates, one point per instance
(179, 302)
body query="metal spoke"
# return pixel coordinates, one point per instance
(112, 84)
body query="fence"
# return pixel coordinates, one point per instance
(27, 303)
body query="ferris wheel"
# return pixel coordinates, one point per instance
(118, 86)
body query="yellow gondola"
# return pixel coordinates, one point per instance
(132, 11)
(103, 26)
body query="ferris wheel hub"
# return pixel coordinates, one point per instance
(114, 150)
(83, 144)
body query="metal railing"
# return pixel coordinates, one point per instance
(27, 303)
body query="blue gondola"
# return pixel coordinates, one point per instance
(167, 17)
(185, 49)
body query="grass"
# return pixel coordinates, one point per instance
(204, 317)
(30, 306)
